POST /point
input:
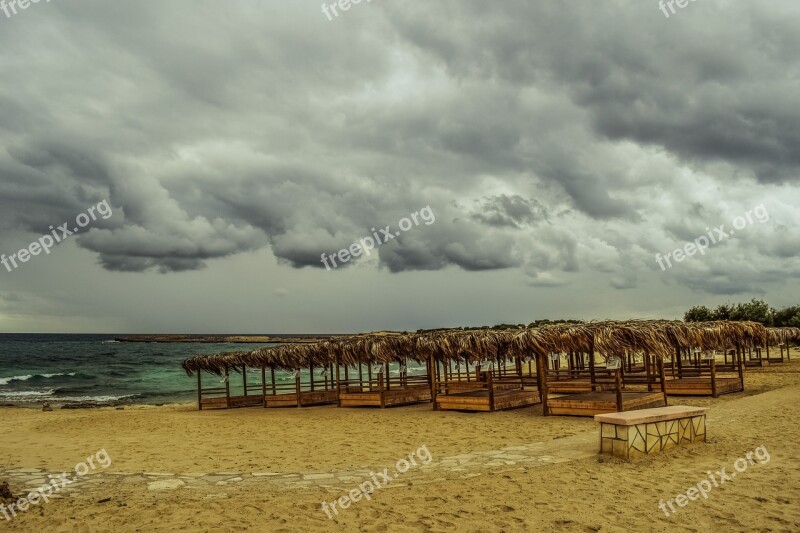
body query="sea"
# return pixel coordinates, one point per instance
(85, 370)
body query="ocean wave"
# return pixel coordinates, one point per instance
(37, 396)
(6, 381)
(10, 396)
(92, 399)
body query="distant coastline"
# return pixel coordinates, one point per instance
(226, 339)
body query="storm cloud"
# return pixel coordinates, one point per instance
(553, 140)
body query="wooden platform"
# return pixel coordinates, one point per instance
(701, 386)
(307, 398)
(221, 402)
(596, 403)
(478, 400)
(575, 385)
(385, 398)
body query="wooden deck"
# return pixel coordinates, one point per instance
(385, 398)
(307, 398)
(478, 400)
(221, 402)
(701, 386)
(596, 403)
(576, 385)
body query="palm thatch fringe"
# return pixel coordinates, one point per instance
(604, 338)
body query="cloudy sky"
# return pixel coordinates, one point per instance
(560, 145)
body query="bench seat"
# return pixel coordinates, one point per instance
(632, 434)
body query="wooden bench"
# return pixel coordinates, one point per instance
(632, 434)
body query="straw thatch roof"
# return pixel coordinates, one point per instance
(779, 335)
(605, 338)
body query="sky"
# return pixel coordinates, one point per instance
(553, 153)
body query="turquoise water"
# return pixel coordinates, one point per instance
(90, 369)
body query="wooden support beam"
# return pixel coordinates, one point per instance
(618, 386)
(541, 378)
(381, 391)
(430, 369)
(199, 390)
(338, 383)
(263, 384)
(297, 388)
(490, 385)
(663, 378)
(227, 388)
(739, 358)
(714, 378)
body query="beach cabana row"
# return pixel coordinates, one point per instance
(483, 369)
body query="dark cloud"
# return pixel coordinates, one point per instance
(553, 139)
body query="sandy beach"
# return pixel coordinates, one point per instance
(269, 470)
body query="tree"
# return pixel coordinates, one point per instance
(722, 312)
(753, 311)
(698, 313)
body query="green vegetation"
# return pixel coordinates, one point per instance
(754, 311)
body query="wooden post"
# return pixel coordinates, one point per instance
(592, 376)
(311, 376)
(648, 371)
(618, 386)
(739, 358)
(338, 383)
(227, 388)
(663, 378)
(490, 385)
(388, 384)
(244, 380)
(369, 377)
(432, 379)
(297, 389)
(272, 375)
(199, 390)
(714, 378)
(786, 340)
(264, 384)
(788, 353)
(541, 378)
(380, 390)
(679, 356)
